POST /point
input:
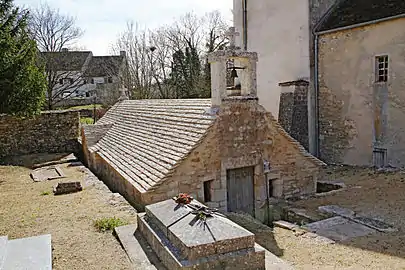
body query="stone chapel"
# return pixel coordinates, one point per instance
(227, 151)
(332, 73)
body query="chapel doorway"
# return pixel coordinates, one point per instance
(240, 190)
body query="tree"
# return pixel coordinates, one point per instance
(52, 30)
(54, 33)
(177, 66)
(22, 82)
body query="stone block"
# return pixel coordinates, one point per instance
(193, 238)
(170, 255)
(29, 253)
(66, 188)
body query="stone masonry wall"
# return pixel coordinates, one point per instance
(293, 115)
(49, 132)
(347, 82)
(243, 136)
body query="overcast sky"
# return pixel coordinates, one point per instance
(103, 20)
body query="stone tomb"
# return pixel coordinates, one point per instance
(182, 241)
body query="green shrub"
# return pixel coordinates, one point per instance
(45, 193)
(108, 224)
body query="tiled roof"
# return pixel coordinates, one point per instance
(351, 12)
(101, 66)
(149, 138)
(65, 61)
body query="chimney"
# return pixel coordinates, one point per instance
(65, 49)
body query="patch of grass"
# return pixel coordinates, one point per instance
(45, 193)
(86, 120)
(108, 224)
(84, 107)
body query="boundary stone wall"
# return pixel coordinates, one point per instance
(49, 132)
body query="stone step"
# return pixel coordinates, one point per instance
(34, 253)
(3, 249)
(138, 250)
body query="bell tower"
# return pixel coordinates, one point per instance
(244, 68)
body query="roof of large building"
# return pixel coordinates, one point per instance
(65, 60)
(352, 12)
(101, 66)
(149, 138)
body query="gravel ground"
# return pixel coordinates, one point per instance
(69, 218)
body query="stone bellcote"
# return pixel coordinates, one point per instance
(244, 67)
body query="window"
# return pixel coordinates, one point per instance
(208, 190)
(381, 63)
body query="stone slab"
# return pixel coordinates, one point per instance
(33, 253)
(138, 250)
(338, 229)
(378, 225)
(336, 210)
(251, 258)
(47, 173)
(3, 249)
(285, 225)
(193, 238)
(273, 262)
(374, 224)
(67, 187)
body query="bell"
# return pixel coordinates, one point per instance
(234, 74)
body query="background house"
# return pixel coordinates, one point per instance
(342, 59)
(79, 74)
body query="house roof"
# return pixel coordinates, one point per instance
(101, 66)
(149, 138)
(65, 61)
(352, 12)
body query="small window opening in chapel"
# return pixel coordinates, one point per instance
(208, 190)
(381, 68)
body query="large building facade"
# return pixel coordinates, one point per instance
(299, 44)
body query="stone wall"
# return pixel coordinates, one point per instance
(49, 132)
(245, 135)
(293, 115)
(350, 100)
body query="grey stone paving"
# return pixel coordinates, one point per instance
(336, 211)
(339, 228)
(33, 253)
(3, 249)
(378, 225)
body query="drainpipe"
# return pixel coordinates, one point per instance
(245, 24)
(316, 92)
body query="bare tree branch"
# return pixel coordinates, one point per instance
(53, 30)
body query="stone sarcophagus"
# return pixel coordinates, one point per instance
(183, 237)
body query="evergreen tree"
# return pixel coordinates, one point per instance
(22, 82)
(186, 75)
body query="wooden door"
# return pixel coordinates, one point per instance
(240, 190)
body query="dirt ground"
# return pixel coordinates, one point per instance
(25, 211)
(376, 195)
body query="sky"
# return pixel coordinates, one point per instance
(104, 20)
